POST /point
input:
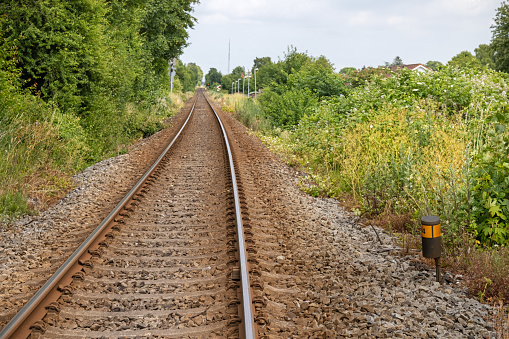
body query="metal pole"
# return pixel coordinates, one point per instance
(255, 80)
(437, 264)
(232, 86)
(248, 77)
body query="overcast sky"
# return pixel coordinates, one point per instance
(353, 33)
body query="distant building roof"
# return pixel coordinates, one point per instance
(412, 67)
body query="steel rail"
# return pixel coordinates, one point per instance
(19, 326)
(249, 327)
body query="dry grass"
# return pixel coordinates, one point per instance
(500, 318)
(486, 273)
(227, 101)
(46, 187)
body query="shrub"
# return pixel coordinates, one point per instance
(286, 109)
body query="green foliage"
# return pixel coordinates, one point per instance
(213, 78)
(164, 27)
(396, 62)
(197, 71)
(250, 113)
(319, 78)
(500, 38)
(60, 46)
(227, 81)
(485, 54)
(399, 144)
(79, 81)
(190, 76)
(348, 70)
(296, 85)
(260, 62)
(489, 184)
(434, 65)
(360, 78)
(294, 61)
(465, 59)
(286, 108)
(270, 73)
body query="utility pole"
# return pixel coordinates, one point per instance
(243, 81)
(172, 70)
(248, 77)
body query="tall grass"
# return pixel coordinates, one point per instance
(227, 101)
(39, 154)
(249, 112)
(27, 149)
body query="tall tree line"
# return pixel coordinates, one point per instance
(81, 53)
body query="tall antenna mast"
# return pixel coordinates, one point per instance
(228, 56)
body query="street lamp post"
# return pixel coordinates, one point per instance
(255, 80)
(248, 77)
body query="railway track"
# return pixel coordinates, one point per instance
(168, 261)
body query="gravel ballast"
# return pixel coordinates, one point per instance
(348, 283)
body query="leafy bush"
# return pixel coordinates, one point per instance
(287, 108)
(79, 81)
(406, 144)
(489, 188)
(410, 143)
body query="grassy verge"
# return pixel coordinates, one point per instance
(408, 146)
(39, 153)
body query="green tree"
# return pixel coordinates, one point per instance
(164, 27)
(213, 78)
(197, 71)
(464, 59)
(260, 62)
(270, 73)
(434, 65)
(397, 61)
(60, 46)
(227, 80)
(319, 78)
(294, 60)
(348, 70)
(484, 53)
(500, 38)
(186, 76)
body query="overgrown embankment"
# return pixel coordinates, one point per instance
(403, 145)
(80, 81)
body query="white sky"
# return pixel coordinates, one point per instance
(353, 33)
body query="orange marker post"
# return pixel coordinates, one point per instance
(432, 240)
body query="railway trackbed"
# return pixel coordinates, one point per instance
(166, 262)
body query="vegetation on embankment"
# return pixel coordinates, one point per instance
(402, 145)
(79, 82)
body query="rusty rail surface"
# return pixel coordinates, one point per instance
(35, 309)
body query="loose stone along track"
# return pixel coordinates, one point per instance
(315, 271)
(169, 267)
